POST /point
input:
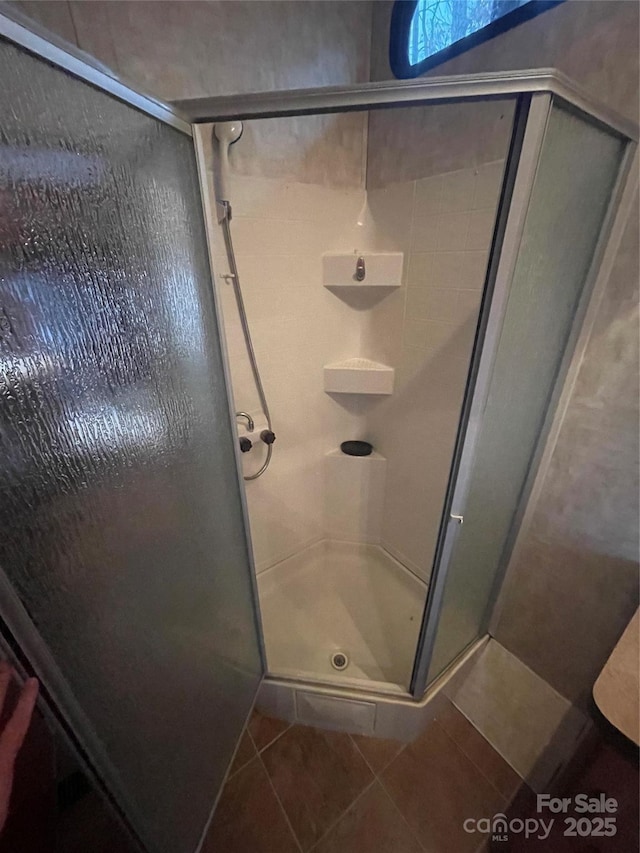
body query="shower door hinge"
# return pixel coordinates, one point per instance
(458, 518)
(223, 211)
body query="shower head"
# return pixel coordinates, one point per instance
(228, 132)
(225, 134)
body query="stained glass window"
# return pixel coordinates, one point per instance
(436, 24)
(425, 33)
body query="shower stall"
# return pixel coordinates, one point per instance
(415, 287)
(408, 263)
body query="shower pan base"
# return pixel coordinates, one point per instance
(355, 600)
(340, 597)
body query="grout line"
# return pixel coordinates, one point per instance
(271, 742)
(404, 820)
(506, 800)
(361, 753)
(342, 814)
(481, 848)
(279, 801)
(382, 784)
(230, 775)
(494, 748)
(380, 781)
(382, 769)
(239, 769)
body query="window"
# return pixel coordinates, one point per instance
(425, 33)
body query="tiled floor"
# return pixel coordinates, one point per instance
(295, 788)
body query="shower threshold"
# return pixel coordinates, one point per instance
(342, 598)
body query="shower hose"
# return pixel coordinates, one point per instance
(237, 290)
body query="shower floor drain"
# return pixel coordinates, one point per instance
(339, 661)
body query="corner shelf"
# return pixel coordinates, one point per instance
(381, 269)
(358, 376)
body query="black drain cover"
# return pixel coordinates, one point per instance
(339, 660)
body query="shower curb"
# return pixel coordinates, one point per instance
(352, 711)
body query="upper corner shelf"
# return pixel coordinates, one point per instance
(368, 269)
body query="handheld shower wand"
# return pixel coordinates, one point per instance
(225, 134)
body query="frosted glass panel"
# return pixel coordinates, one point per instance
(577, 171)
(120, 507)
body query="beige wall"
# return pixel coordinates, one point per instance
(179, 49)
(411, 143)
(574, 584)
(593, 41)
(327, 149)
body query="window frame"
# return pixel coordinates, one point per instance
(402, 15)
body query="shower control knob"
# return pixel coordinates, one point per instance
(267, 436)
(245, 444)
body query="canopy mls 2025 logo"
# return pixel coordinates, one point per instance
(580, 816)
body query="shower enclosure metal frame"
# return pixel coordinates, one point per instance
(534, 92)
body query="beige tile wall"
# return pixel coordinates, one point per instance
(432, 193)
(425, 330)
(281, 229)
(534, 728)
(444, 224)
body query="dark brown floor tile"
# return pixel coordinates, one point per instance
(245, 752)
(317, 776)
(248, 818)
(436, 787)
(264, 730)
(501, 775)
(377, 751)
(372, 825)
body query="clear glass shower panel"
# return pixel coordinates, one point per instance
(122, 528)
(344, 544)
(578, 167)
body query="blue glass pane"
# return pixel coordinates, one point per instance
(438, 23)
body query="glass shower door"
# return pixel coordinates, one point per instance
(125, 570)
(575, 174)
